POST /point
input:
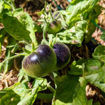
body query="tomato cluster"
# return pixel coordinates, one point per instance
(46, 60)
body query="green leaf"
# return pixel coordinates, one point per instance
(99, 53)
(80, 98)
(22, 75)
(73, 35)
(73, 2)
(28, 99)
(79, 8)
(103, 36)
(65, 91)
(9, 98)
(98, 78)
(1, 6)
(97, 103)
(28, 95)
(16, 29)
(92, 65)
(28, 23)
(21, 89)
(71, 92)
(91, 17)
(20, 26)
(76, 67)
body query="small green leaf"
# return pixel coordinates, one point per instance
(28, 99)
(103, 36)
(1, 6)
(9, 98)
(99, 53)
(21, 89)
(92, 65)
(98, 78)
(76, 67)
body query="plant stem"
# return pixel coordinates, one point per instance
(7, 63)
(44, 96)
(51, 89)
(83, 67)
(15, 56)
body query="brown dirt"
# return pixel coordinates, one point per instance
(101, 22)
(94, 93)
(8, 79)
(34, 6)
(1, 26)
(3, 49)
(62, 3)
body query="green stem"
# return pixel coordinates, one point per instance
(51, 89)
(83, 69)
(12, 5)
(97, 25)
(34, 40)
(45, 29)
(44, 41)
(44, 96)
(6, 64)
(57, 15)
(0, 48)
(15, 56)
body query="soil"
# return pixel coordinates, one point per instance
(101, 22)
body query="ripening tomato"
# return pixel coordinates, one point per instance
(41, 62)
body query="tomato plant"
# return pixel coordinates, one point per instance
(48, 55)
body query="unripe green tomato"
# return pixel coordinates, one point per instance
(54, 27)
(40, 63)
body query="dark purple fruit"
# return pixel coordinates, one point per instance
(62, 53)
(41, 62)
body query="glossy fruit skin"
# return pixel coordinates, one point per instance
(40, 63)
(63, 54)
(54, 27)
